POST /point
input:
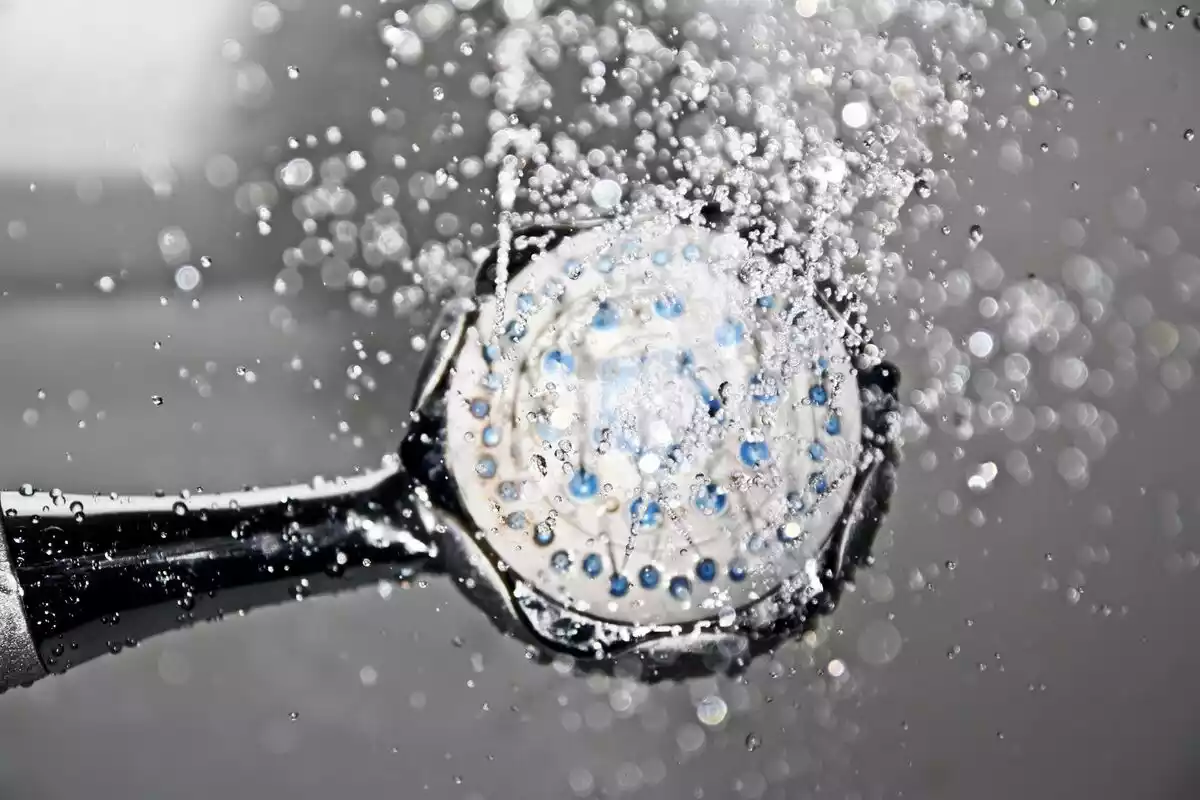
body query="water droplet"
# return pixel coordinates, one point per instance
(856, 115)
(879, 643)
(712, 710)
(187, 278)
(606, 194)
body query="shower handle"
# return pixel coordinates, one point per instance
(84, 575)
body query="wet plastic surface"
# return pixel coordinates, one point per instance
(1006, 684)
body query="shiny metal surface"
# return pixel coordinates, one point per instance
(19, 662)
(28, 504)
(98, 575)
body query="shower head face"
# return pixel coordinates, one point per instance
(645, 435)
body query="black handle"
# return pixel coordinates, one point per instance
(100, 573)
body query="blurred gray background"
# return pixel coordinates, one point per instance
(1047, 651)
